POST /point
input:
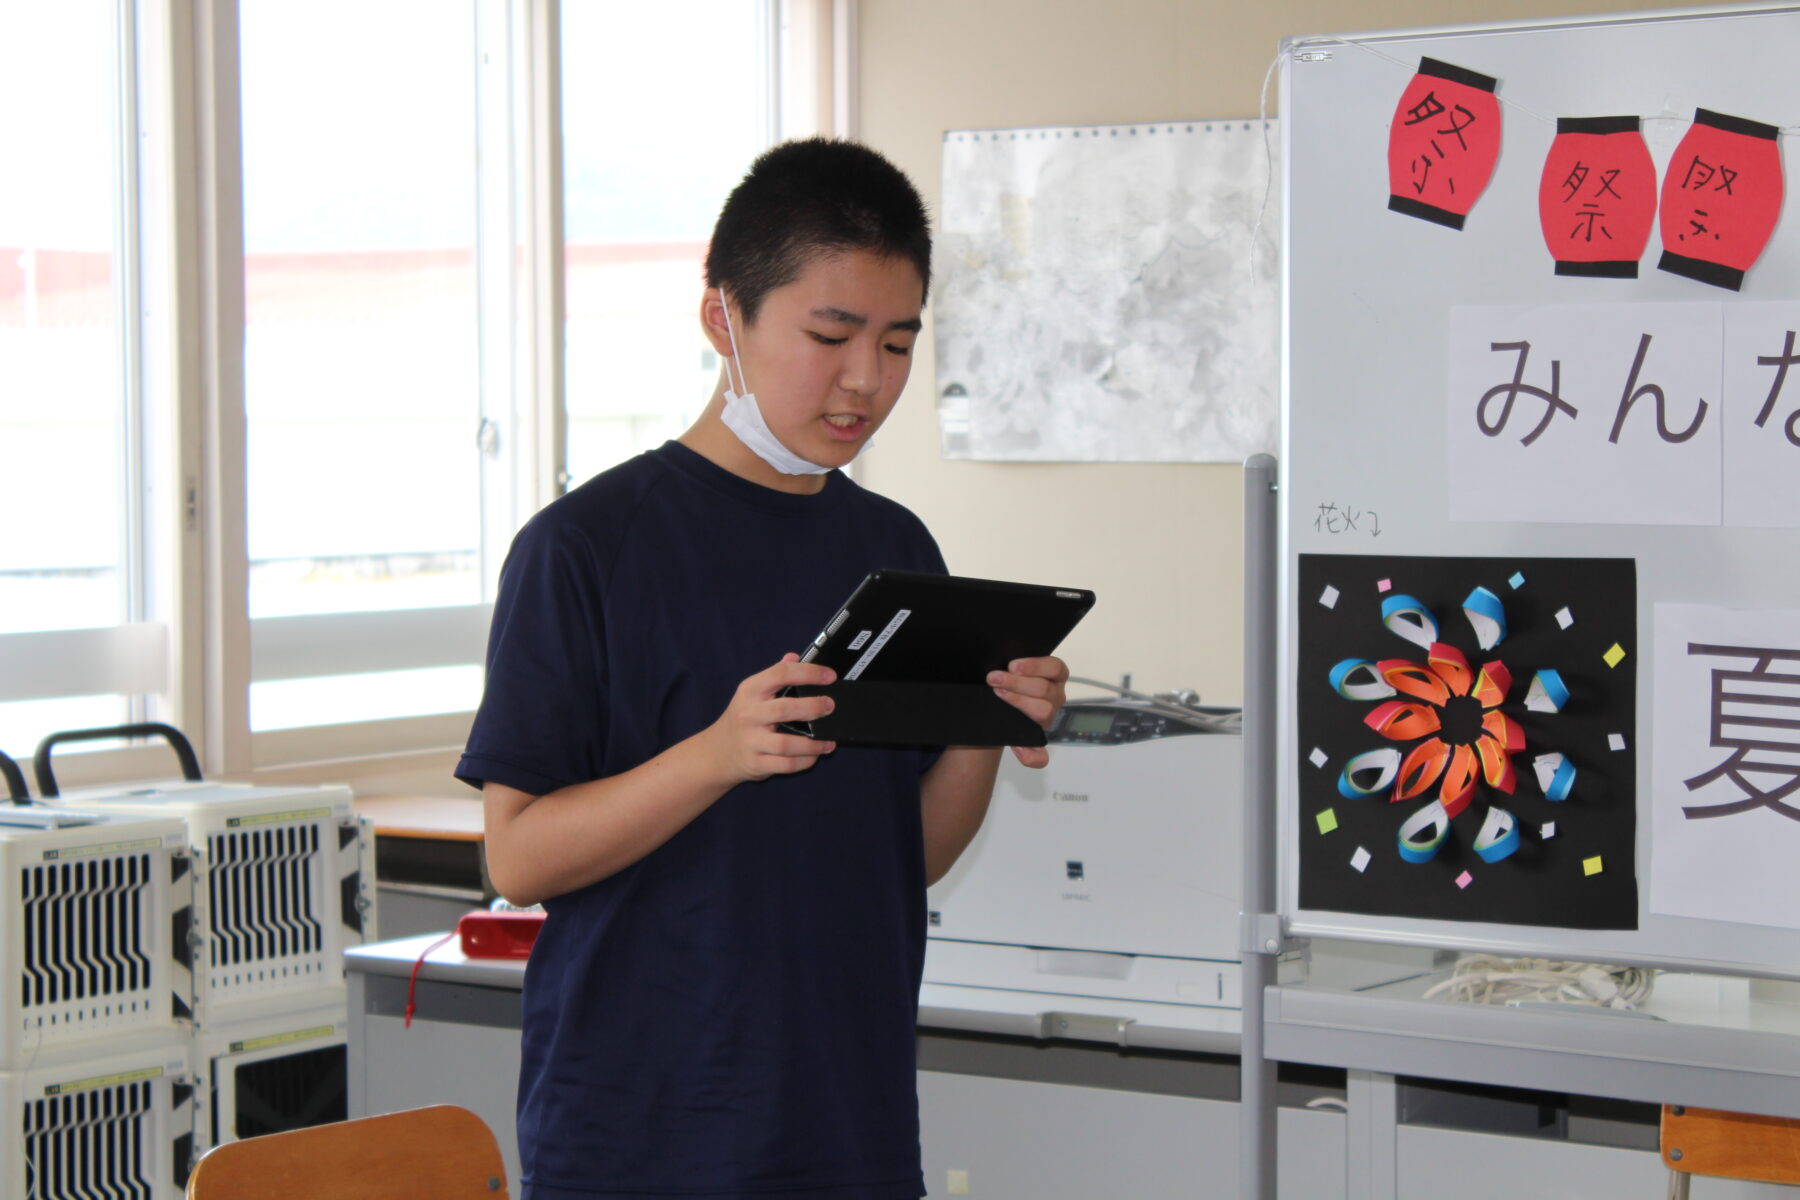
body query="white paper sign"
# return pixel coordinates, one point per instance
(1725, 773)
(1586, 413)
(1762, 427)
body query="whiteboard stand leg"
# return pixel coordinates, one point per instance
(1261, 942)
(1371, 1143)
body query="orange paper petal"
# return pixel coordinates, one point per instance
(1420, 770)
(1414, 680)
(1459, 781)
(1493, 684)
(1496, 764)
(1450, 666)
(1506, 731)
(1402, 720)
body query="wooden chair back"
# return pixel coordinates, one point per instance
(1728, 1145)
(444, 1152)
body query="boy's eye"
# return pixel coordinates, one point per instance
(827, 341)
(902, 351)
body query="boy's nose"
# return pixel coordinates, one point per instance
(861, 375)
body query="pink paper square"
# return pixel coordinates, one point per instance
(1384, 585)
(1464, 880)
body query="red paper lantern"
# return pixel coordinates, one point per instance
(1721, 198)
(1597, 197)
(1443, 143)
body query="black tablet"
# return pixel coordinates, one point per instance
(912, 652)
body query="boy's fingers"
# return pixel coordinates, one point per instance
(1038, 709)
(1048, 667)
(791, 672)
(1024, 685)
(791, 752)
(800, 708)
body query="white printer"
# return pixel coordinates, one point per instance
(1114, 871)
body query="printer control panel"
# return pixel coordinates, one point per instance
(1114, 723)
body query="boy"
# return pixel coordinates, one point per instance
(722, 1001)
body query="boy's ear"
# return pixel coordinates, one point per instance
(712, 321)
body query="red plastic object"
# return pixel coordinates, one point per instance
(1597, 197)
(1443, 143)
(499, 934)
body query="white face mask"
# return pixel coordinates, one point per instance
(743, 416)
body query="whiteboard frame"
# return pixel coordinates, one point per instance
(1316, 290)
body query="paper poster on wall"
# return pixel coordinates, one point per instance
(1725, 767)
(1466, 738)
(1721, 198)
(1443, 143)
(1109, 293)
(1762, 428)
(1598, 413)
(1597, 197)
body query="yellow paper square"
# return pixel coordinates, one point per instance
(1328, 820)
(1591, 866)
(1615, 656)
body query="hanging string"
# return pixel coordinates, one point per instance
(1411, 67)
(1262, 209)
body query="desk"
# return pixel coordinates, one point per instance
(1153, 1117)
(1141, 1102)
(428, 864)
(1723, 1043)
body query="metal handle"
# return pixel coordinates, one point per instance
(15, 780)
(184, 750)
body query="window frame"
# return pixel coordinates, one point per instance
(191, 644)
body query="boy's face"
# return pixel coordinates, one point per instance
(829, 353)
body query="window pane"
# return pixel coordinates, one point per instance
(361, 347)
(25, 723)
(342, 699)
(639, 201)
(61, 393)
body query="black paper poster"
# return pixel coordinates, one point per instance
(1467, 741)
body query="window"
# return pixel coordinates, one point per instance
(363, 344)
(282, 338)
(77, 648)
(640, 198)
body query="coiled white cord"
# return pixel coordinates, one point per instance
(1491, 979)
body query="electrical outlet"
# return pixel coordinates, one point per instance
(956, 1183)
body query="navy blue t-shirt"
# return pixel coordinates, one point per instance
(733, 1015)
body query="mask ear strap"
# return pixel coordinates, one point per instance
(729, 333)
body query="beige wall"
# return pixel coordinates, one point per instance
(1161, 544)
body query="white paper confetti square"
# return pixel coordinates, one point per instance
(1329, 597)
(1360, 860)
(1318, 757)
(1615, 741)
(1564, 617)
(1548, 830)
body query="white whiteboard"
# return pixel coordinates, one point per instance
(1369, 296)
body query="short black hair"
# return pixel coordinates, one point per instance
(806, 199)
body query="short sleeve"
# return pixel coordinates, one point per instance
(541, 724)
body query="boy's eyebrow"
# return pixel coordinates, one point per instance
(845, 317)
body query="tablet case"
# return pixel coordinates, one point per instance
(912, 652)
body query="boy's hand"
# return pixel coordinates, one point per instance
(744, 741)
(1034, 686)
